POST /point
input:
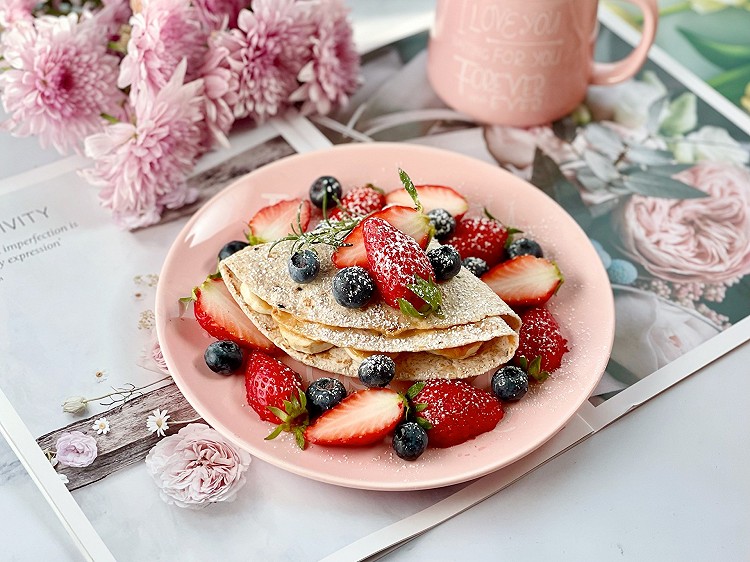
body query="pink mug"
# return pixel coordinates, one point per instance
(523, 62)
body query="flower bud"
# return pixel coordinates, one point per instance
(75, 405)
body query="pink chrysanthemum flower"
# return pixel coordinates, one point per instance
(332, 74)
(265, 53)
(59, 81)
(13, 11)
(214, 14)
(142, 166)
(162, 34)
(220, 92)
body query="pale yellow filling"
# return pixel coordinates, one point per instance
(303, 344)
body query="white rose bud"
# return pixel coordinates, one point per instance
(75, 405)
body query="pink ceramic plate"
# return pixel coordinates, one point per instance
(583, 306)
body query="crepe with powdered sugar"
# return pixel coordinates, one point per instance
(477, 330)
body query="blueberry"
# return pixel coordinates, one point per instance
(443, 222)
(476, 265)
(325, 187)
(231, 248)
(353, 287)
(409, 440)
(303, 266)
(510, 383)
(446, 263)
(524, 247)
(223, 357)
(376, 371)
(323, 394)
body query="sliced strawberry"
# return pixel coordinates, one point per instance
(406, 219)
(457, 411)
(276, 221)
(399, 267)
(362, 418)
(219, 314)
(432, 197)
(524, 280)
(359, 202)
(479, 237)
(541, 345)
(268, 384)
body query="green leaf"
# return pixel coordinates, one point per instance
(604, 139)
(429, 292)
(535, 370)
(649, 156)
(732, 83)
(655, 185)
(548, 177)
(424, 424)
(601, 166)
(589, 181)
(682, 115)
(414, 389)
(410, 189)
(408, 309)
(655, 111)
(723, 54)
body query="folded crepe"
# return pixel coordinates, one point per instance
(476, 333)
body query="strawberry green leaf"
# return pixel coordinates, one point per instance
(408, 309)
(414, 389)
(424, 424)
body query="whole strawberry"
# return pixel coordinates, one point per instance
(269, 383)
(479, 237)
(400, 268)
(359, 202)
(541, 345)
(457, 411)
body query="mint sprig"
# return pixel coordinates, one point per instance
(429, 292)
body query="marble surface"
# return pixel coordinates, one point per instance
(668, 481)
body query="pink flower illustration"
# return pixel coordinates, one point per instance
(332, 74)
(196, 467)
(266, 52)
(76, 449)
(703, 240)
(61, 79)
(142, 165)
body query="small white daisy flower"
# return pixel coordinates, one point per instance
(157, 422)
(101, 426)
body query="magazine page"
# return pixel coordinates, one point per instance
(678, 260)
(709, 38)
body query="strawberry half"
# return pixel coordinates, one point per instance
(273, 222)
(432, 197)
(457, 411)
(541, 345)
(524, 280)
(362, 418)
(359, 202)
(219, 314)
(400, 268)
(406, 219)
(479, 237)
(268, 383)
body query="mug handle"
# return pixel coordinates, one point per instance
(608, 73)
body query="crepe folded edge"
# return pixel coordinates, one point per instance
(419, 352)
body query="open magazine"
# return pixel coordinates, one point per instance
(672, 317)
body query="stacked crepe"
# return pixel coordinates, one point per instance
(476, 333)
